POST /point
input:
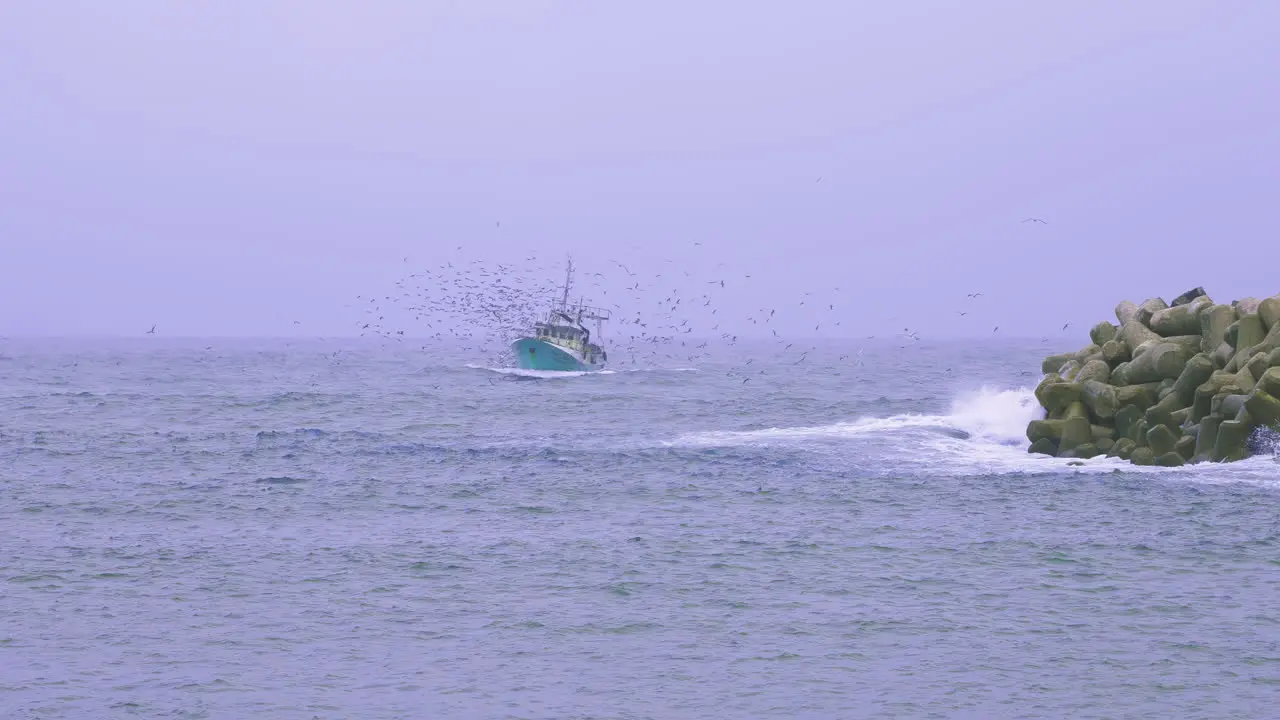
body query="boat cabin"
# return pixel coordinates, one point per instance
(571, 338)
(557, 332)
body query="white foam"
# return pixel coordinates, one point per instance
(546, 374)
(998, 416)
(984, 433)
(549, 374)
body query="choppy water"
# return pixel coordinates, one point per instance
(272, 531)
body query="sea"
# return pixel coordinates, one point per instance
(285, 529)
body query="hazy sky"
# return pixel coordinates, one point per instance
(222, 168)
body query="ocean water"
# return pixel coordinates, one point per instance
(232, 529)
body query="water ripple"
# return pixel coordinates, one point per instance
(264, 534)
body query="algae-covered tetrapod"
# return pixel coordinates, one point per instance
(1172, 383)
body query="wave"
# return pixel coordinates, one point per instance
(983, 433)
(553, 374)
(540, 374)
(996, 416)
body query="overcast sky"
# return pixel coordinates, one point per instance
(224, 168)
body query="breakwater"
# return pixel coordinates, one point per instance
(1166, 384)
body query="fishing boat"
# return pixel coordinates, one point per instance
(561, 340)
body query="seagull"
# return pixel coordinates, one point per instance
(1032, 219)
(152, 331)
(1064, 327)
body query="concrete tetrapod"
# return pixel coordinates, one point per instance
(1168, 383)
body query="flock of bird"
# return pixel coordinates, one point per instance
(483, 307)
(674, 316)
(657, 318)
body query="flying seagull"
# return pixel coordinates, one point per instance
(152, 331)
(1032, 219)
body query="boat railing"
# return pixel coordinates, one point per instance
(588, 312)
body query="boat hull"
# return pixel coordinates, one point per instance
(534, 354)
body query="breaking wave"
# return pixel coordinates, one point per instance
(983, 433)
(992, 416)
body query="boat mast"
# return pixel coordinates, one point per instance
(568, 279)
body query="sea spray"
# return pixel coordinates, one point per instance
(1265, 442)
(987, 414)
(996, 415)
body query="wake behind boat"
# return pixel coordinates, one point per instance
(561, 341)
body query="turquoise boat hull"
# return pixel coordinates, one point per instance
(534, 354)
